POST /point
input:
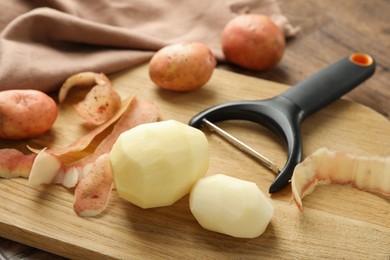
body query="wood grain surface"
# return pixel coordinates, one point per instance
(337, 221)
(356, 224)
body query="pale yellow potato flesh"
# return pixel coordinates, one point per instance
(230, 206)
(156, 164)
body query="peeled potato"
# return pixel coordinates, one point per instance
(156, 164)
(230, 206)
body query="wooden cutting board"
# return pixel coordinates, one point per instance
(338, 221)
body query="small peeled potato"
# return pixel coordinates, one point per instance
(156, 164)
(182, 66)
(26, 113)
(230, 206)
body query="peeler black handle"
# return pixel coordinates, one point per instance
(331, 83)
(283, 114)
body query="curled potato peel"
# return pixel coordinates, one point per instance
(83, 142)
(93, 191)
(324, 167)
(101, 102)
(14, 164)
(91, 174)
(92, 194)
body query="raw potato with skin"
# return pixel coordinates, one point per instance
(182, 66)
(26, 113)
(325, 166)
(253, 41)
(230, 206)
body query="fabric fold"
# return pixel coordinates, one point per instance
(43, 42)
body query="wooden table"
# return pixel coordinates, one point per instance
(329, 30)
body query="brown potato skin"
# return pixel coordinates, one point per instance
(253, 41)
(182, 66)
(26, 113)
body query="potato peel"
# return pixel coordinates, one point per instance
(14, 164)
(324, 167)
(91, 175)
(93, 191)
(84, 141)
(101, 102)
(138, 112)
(44, 169)
(92, 194)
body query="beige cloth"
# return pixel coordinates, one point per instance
(42, 42)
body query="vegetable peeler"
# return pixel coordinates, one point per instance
(283, 114)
